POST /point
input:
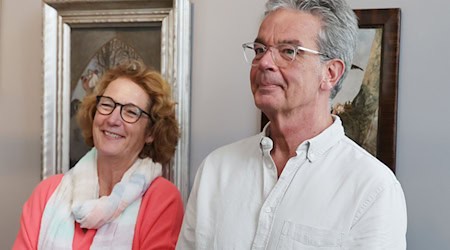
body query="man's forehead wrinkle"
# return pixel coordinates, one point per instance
(275, 30)
(277, 34)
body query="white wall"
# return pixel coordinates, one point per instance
(222, 106)
(20, 109)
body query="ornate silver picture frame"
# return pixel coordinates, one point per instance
(67, 26)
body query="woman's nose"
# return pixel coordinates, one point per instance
(115, 117)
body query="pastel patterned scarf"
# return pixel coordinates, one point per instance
(76, 199)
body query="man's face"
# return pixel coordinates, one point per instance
(298, 85)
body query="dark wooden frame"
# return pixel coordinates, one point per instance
(389, 21)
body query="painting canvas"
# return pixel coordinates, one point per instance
(357, 102)
(82, 39)
(95, 50)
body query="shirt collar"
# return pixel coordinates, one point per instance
(322, 142)
(316, 147)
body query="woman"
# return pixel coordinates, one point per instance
(114, 197)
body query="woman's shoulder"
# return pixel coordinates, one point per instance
(161, 193)
(47, 186)
(162, 197)
(162, 187)
(52, 180)
(42, 193)
(160, 216)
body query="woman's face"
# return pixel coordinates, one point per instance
(115, 138)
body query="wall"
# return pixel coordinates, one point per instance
(222, 106)
(20, 109)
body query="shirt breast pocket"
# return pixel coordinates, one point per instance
(302, 237)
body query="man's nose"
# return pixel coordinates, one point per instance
(267, 61)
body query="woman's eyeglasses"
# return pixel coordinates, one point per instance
(130, 113)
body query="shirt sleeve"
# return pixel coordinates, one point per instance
(381, 221)
(160, 217)
(30, 221)
(187, 239)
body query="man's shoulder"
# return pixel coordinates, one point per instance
(363, 163)
(241, 147)
(233, 156)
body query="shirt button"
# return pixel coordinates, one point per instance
(266, 143)
(268, 210)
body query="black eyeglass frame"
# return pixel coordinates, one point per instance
(121, 109)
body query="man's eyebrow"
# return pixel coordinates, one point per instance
(258, 40)
(291, 41)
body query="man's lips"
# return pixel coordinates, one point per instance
(269, 85)
(268, 81)
(265, 85)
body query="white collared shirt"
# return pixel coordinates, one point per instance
(331, 195)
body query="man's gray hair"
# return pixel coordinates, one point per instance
(338, 36)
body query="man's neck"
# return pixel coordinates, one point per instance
(288, 132)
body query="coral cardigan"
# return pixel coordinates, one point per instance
(157, 227)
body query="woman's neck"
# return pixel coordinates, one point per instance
(110, 172)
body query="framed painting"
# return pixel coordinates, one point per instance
(367, 102)
(84, 38)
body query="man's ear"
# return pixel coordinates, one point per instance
(334, 69)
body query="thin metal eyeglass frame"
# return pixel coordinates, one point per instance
(121, 108)
(266, 48)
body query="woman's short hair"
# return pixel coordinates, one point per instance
(162, 125)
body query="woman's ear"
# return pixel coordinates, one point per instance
(334, 69)
(149, 139)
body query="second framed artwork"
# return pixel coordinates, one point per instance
(82, 39)
(367, 102)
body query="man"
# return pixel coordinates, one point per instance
(301, 183)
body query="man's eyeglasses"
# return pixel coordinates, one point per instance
(130, 113)
(282, 54)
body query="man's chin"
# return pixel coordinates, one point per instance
(265, 105)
